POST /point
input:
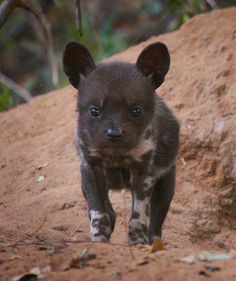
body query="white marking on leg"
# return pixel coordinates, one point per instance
(140, 207)
(138, 226)
(84, 163)
(162, 171)
(99, 232)
(149, 181)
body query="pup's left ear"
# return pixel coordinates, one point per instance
(77, 61)
(154, 63)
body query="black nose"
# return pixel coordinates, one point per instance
(114, 133)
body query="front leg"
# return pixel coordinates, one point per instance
(141, 196)
(102, 219)
(162, 195)
(100, 226)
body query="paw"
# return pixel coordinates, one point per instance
(100, 239)
(137, 233)
(100, 227)
(137, 241)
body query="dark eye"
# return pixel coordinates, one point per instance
(136, 111)
(94, 111)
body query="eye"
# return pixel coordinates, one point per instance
(95, 111)
(136, 111)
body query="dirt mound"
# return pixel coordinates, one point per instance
(41, 203)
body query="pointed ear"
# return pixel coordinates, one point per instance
(154, 63)
(77, 61)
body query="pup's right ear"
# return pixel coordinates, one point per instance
(77, 61)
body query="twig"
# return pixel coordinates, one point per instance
(85, 241)
(6, 8)
(79, 18)
(15, 87)
(48, 34)
(24, 242)
(212, 4)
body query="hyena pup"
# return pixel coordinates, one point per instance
(127, 138)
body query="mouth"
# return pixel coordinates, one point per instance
(114, 145)
(117, 141)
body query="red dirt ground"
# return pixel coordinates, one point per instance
(45, 223)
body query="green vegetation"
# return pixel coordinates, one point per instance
(108, 27)
(6, 100)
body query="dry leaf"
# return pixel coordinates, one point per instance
(35, 270)
(61, 227)
(157, 245)
(142, 262)
(81, 259)
(206, 256)
(34, 274)
(14, 257)
(39, 167)
(26, 277)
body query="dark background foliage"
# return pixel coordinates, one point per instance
(109, 26)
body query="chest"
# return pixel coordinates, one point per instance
(118, 178)
(121, 168)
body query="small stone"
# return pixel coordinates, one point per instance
(61, 227)
(40, 178)
(142, 262)
(68, 205)
(190, 259)
(116, 274)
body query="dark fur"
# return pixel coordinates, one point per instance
(141, 152)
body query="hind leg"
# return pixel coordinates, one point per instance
(160, 202)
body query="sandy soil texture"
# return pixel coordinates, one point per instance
(43, 217)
